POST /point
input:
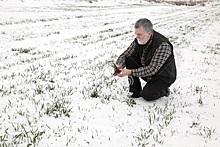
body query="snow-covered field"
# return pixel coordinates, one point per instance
(56, 83)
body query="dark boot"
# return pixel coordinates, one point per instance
(165, 92)
(135, 95)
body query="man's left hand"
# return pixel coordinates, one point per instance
(124, 72)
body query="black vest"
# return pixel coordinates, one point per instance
(168, 71)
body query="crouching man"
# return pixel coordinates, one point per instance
(150, 57)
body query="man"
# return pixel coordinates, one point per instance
(150, 57)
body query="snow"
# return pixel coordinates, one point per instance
(57, 87)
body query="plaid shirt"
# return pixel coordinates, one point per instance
(159, 58)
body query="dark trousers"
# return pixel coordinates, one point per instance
(152, 90)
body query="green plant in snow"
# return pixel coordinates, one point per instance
(4, 138)
(142, 139)
(23, 136)
(130, 102)
(31, 137)
(198, 89)
(58, 108)
(206, 132)
(200, 101)
(94, 94)
(194, 124)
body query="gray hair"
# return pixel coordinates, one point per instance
(145, 23)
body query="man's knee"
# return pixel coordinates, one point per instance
(149, 96)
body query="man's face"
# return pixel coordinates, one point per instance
(142, 36)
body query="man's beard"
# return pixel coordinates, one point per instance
(142, 42)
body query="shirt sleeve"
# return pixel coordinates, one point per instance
(125, 54)
(161, 54)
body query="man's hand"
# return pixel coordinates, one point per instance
(124, 72)
(117, 70)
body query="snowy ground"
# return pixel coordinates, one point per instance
(56, 83)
